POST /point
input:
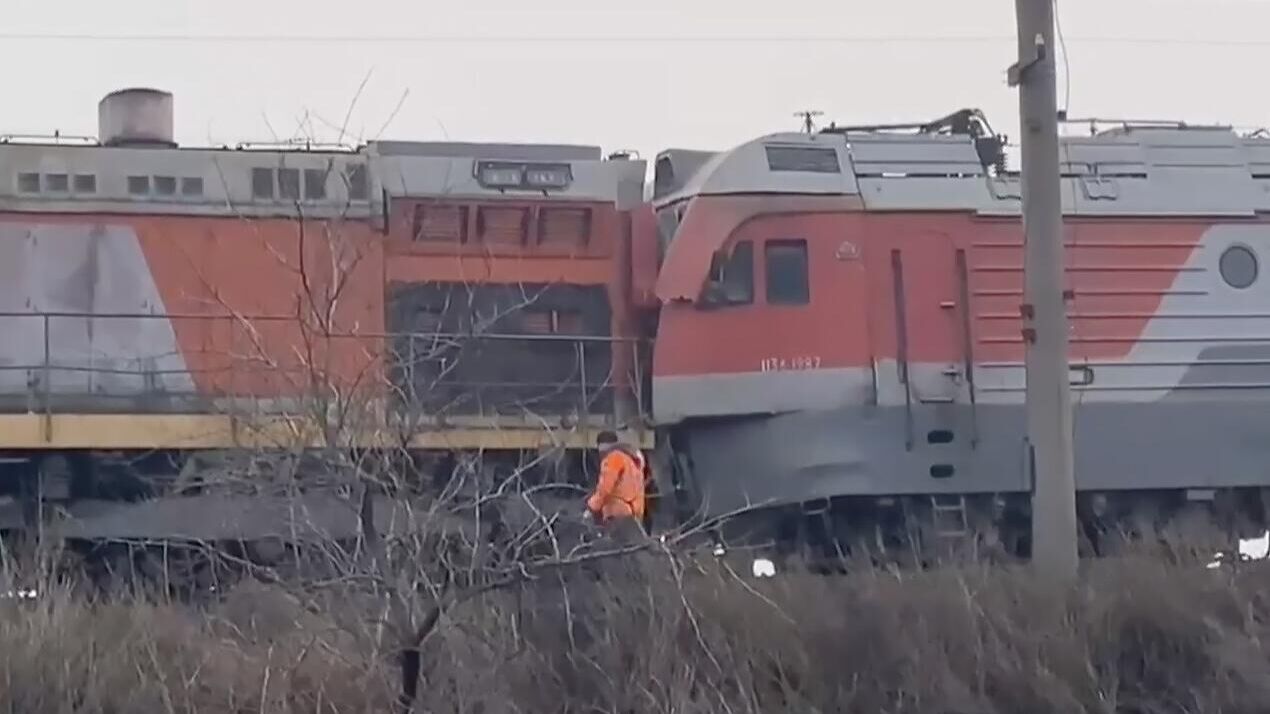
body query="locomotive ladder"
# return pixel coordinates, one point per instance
(948, 516)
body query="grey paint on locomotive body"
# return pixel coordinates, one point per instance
(53, 277)
(1164, 172)
(1186, 409)
(220, 180)
(860, 451)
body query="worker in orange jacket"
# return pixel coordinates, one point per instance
(619, 494)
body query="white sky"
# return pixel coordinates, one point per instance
(644, 75)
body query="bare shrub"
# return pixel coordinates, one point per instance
(673, 635)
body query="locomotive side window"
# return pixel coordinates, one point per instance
(803, 158)
(57, 183)
(262, 183)
(1238, 267)
(29, 182)
(289, 183)
(358, 183)
(732, 278)
(786, 263)
(192, 186)
(315, 184)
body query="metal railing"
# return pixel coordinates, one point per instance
(74, 362)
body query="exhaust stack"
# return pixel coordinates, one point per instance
(136, 117)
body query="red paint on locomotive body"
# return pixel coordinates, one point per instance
(737, 338)
(907, 272)
(1119, 270)
(645, 258)
(301, 293)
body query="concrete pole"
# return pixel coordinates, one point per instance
(1044, 310)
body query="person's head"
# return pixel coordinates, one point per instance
(606, 441)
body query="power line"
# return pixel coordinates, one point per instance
(488, 39)
(608, 39)
(1067, 64)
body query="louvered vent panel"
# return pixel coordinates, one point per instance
(505, 226)
(536, 322)
(549, 322)
(564, 226)
(568, 323)
(440, 224)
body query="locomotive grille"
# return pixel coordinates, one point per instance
(503, 225)
(564, 226)
(434, 223)
(501, 349)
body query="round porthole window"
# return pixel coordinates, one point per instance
(1238, 266)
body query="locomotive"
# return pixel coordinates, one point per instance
(841, 329)
(817, 335)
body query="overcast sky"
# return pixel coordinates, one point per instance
(643, 75)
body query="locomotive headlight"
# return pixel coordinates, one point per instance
(548, 176)
(491, 175)
(534, 177)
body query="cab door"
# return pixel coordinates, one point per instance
(926, 372)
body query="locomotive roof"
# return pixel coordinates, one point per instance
(78, 174)
(1134, 170)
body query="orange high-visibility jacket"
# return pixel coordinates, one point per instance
(620, 491)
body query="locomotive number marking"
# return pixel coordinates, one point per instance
(782, 364)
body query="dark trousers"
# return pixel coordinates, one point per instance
(623, 532)
(619, 534)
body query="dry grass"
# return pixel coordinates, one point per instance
(1136, 635)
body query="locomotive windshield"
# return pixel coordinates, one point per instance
(732, 276)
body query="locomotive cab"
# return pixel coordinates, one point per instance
(787, 364)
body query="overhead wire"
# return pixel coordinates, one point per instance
(1070, 256)
(606, 39)
(1067, 67)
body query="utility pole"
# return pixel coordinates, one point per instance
(1044, 310)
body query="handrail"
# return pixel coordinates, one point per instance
(901, 341)
(592, 383)
(54, 138)
(247, 319)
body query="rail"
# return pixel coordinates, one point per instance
(78, 362)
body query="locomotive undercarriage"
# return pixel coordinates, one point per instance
(848, 533)
(125, 518)
(190, 523)
(843, 531)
